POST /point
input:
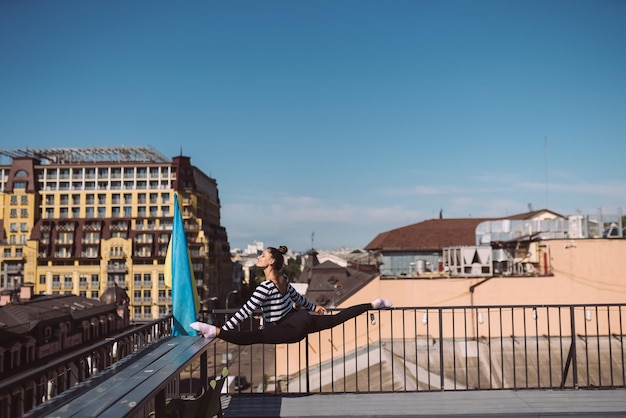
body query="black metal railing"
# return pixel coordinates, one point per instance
(404, 349)
(24, 391)
(444, 348)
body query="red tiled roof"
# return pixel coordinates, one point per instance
(430, 235)
(436, 234)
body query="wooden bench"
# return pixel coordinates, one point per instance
(128, 392)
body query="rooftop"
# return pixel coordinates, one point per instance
(85, 155)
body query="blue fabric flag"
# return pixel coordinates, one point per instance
(179, 276)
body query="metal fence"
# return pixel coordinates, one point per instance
(404, 349)
(444, 348)
(24, 391)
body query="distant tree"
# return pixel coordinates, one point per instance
(293, 268)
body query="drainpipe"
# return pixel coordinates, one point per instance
(471, 289)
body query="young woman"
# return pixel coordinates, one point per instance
(284, 323)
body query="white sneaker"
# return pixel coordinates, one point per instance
(208, 331)
(381, 303)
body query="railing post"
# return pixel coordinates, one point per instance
(441, 366)
(573, 348)
(204, 378)
(571, 354)
(306, 362)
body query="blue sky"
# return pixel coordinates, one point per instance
(327, 122)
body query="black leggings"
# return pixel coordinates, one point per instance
(292, 328)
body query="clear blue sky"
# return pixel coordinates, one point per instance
(339, 118)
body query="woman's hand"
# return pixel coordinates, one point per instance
(320, 309)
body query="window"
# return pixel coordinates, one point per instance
(115, 212)
(137, 294)
(14, 200)
(94, 279)
(89, 212)
(13, 227)
(147, 311)
(147, 277)
(68, 280)
(147, 295)
(94, 294)
(24, 213)
(24, 227)
(24, 200)
(102, 211)
(128, 211)
(128, 198)
(42, 279)
(64, 199)
(82, 293)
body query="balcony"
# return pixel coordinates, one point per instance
(446, 361)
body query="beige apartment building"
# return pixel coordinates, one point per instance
(78, 221)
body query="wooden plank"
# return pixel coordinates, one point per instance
(102, 396)
(173, 365)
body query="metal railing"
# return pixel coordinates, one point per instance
(24, 391)
(406, 349)
(445, 348)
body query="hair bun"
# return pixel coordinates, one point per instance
(282, 249)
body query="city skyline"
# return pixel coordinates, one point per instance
(327, 123)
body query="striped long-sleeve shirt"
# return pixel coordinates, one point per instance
(274, 305)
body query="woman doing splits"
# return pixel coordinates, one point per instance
(276, 297)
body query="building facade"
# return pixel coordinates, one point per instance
(78, 221)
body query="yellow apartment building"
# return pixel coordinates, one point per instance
(78, 221)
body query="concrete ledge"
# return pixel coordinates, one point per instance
(495, 403)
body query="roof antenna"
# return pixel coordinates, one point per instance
(181, 150)
(545, 162)
(312, 239)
